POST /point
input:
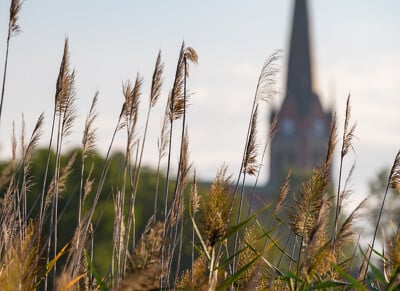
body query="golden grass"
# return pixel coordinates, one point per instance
(238, 254)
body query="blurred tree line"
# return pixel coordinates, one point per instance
(103, 222)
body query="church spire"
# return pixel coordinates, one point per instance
(299, 87)
(303, 126)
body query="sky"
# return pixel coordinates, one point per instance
(356, 50)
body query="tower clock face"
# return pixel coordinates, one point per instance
(287, 126)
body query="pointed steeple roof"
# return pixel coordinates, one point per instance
(299, 87)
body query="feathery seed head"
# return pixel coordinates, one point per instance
(15, 8)
(283, 192)
(89, 133)
(266, 86)
(194, 195)
(156, 80)
(250, 165)
(215, 213)
(176, 98)
(395, 174)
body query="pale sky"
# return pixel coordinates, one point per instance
(356, 48)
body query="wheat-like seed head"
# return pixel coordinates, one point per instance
(194, 195)
(89, 133)
(332, 142)
(214, 217)
(250, 165)
(131, 95)
(15, 8)
(283, 192)
(348, 133)
(197, 279)
(176, 97)
(395, 174)
(65, 90)
(156, 81)
(308, 202)
(176, 102)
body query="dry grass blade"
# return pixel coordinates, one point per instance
(250, 165)
(156, 81)
(395, 174)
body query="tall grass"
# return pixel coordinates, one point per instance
(232, 246)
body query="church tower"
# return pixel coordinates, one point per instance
(303, 126)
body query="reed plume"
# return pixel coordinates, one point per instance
(265, 90)
(251, 246)
(214, 215)
(197, 278)
(13, 29)
(395, 174)
(65, 110)
(348, 136)
(283, 192)
(156, 84)
(309, 203)
(145, 268)
(157, 80)
(26, 164)
(250, 165)
(19, 268)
